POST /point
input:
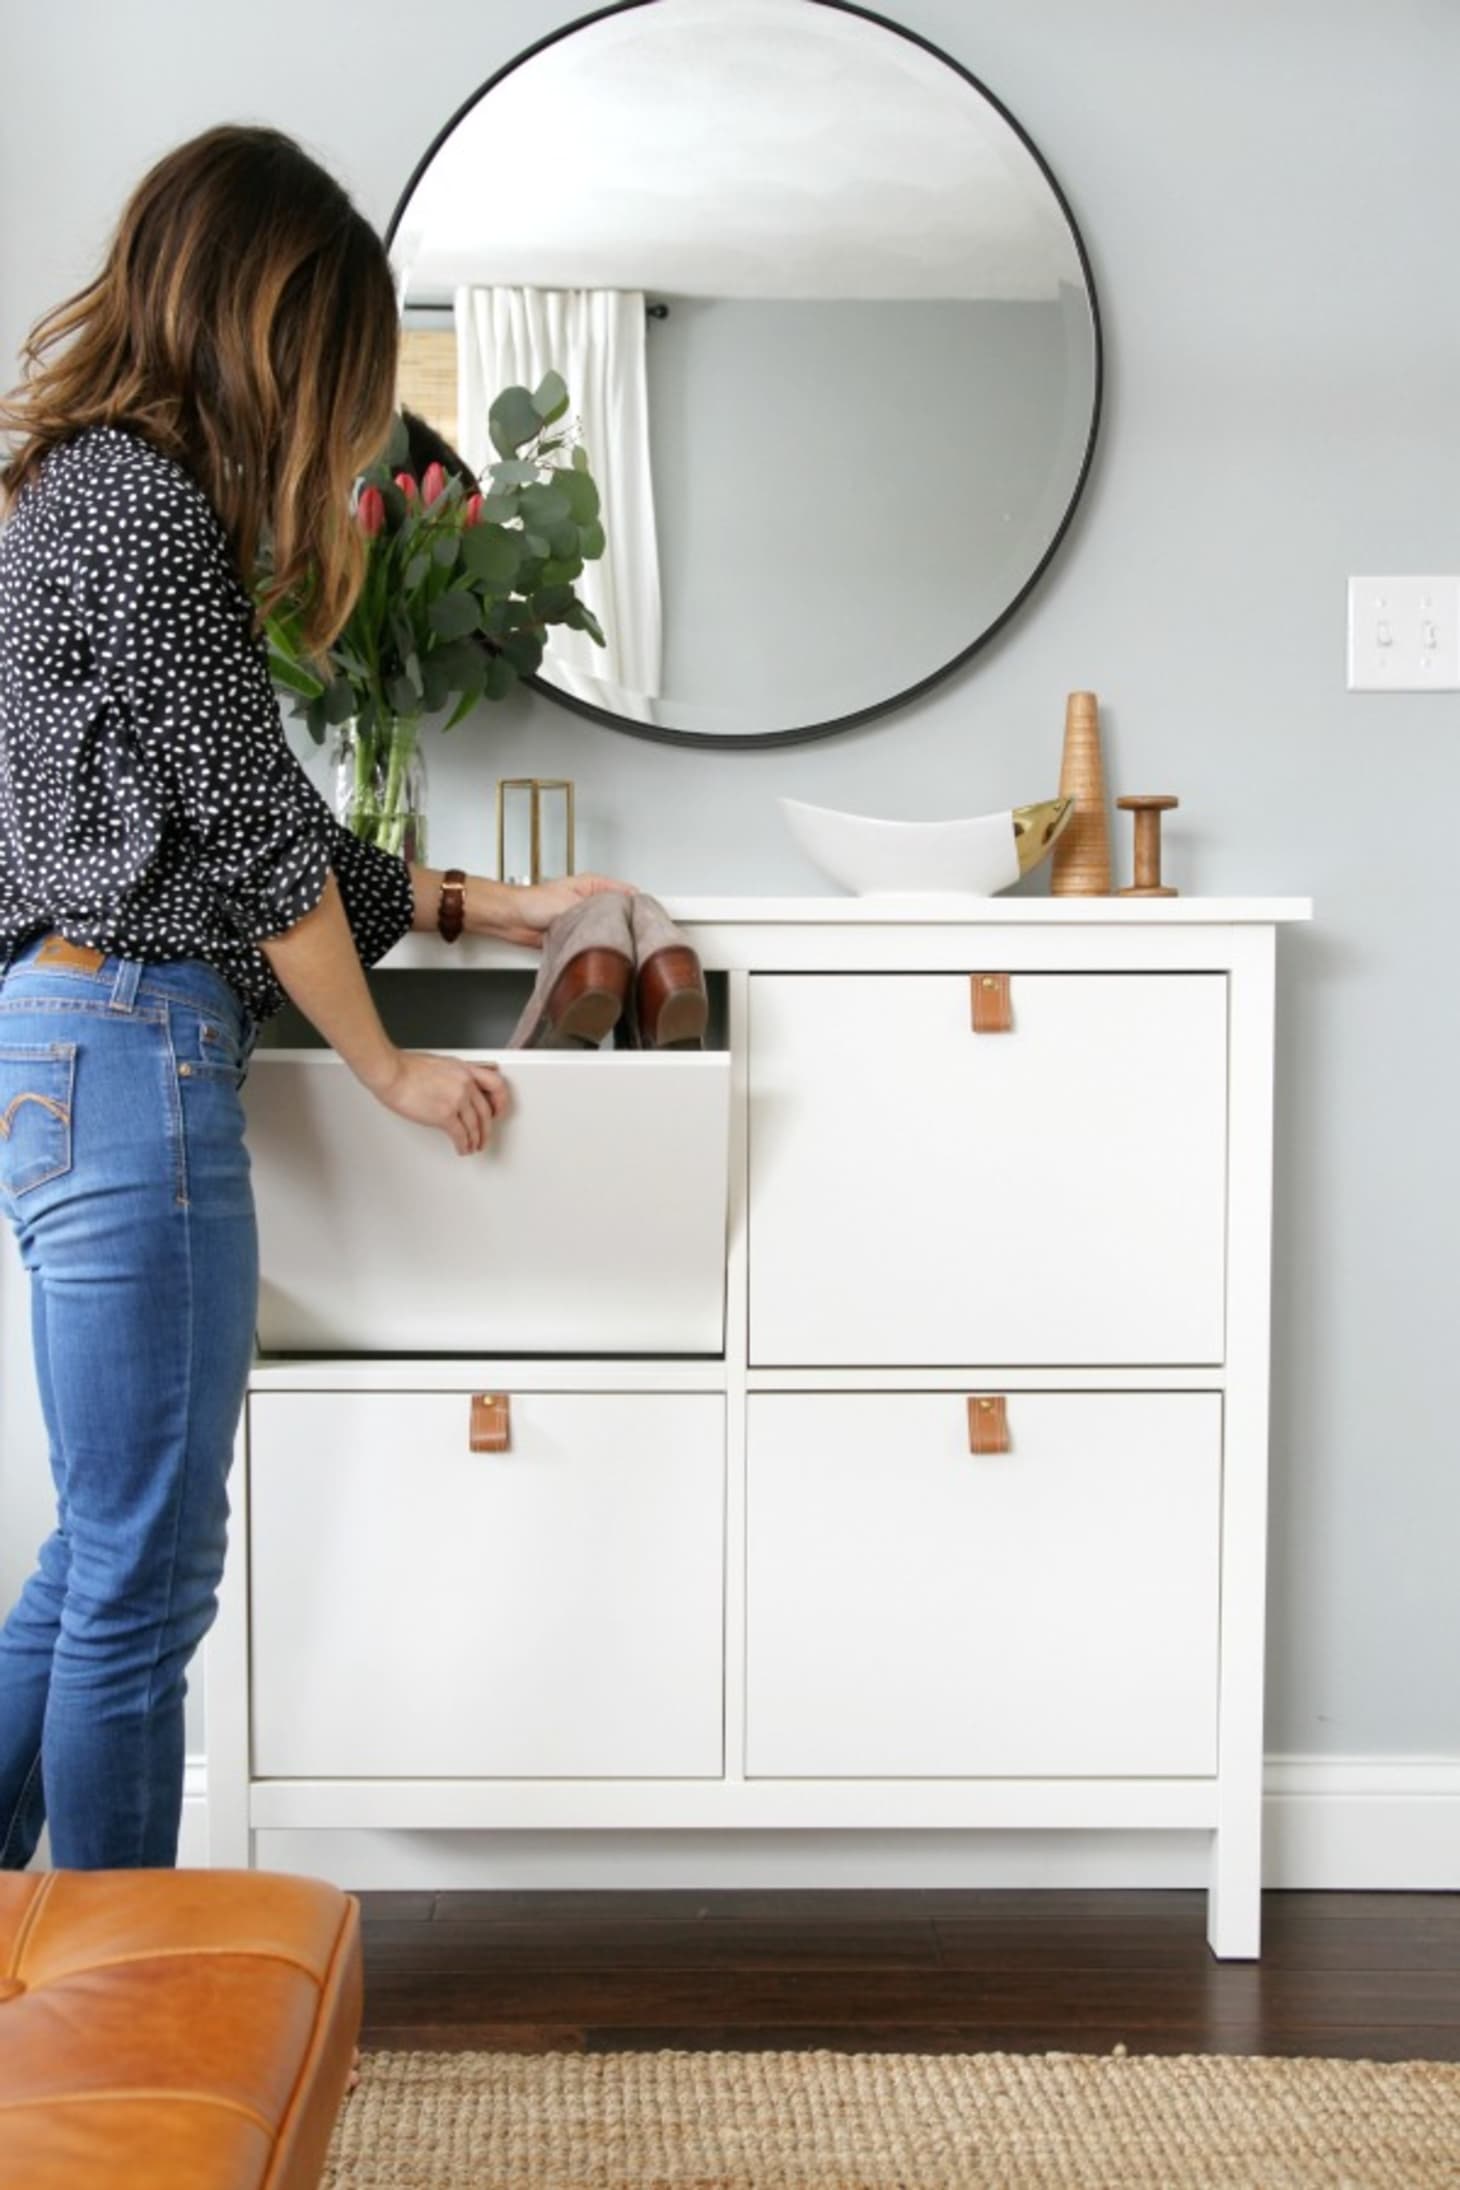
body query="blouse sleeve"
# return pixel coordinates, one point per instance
(375, 887)
(171, 626)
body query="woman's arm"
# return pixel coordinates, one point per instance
(319, 969)
(514, 912)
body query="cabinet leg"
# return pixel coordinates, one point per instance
(1234, 1894)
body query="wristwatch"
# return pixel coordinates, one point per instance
(451, 910)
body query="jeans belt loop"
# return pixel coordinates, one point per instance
(124, 988)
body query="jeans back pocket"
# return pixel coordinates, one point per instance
(35, 1113)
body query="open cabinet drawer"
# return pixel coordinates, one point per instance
(593, 1223)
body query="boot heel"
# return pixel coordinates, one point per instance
(673, 1005)
(586, 1001)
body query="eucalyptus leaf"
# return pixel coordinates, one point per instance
(536, 545)
(473, 677)
(339, 702)
(552, 602)
(524, 649)
(492, 554)
(403, 635)
(454, 615)
(445, 549)
(563, 539)
(436, 686)
(581, 493)
(515, 471)
(513, 421)
(501, 677)
(544, 505)
(500, 506)
(550, 397)
(461, 663)
(580, 459)
(591, 541)
(405, 695)
(416, 569)
(561, 571)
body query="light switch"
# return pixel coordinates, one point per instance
(1404, 634)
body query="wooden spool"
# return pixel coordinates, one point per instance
(1080, 861)
(1148, 812)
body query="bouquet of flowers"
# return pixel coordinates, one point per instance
(460, 589)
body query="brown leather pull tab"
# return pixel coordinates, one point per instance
(993, 1006)
(988, 1423)
(491, 1422)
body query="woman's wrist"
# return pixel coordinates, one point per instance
(377, 1070)
(487, 907)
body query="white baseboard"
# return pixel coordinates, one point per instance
(1385, 1824)
(1349, 1823)
(192, 1839)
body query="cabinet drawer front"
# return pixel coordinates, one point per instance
(915, 1610)
(924, 1195)
(593, 1223)
(418, 1609)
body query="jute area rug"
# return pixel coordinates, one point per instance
(893, 2121)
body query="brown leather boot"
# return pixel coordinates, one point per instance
(583, 983)
(671, 1003)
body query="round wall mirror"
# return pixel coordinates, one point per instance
(829, 335)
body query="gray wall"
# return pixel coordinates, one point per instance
(1266, 193)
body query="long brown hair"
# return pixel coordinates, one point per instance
(244, 321)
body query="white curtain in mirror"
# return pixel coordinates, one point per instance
(510, 337)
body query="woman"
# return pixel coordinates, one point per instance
(167, 876)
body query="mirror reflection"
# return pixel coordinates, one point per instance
(829, 338)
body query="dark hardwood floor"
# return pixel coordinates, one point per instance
(1358, 1975)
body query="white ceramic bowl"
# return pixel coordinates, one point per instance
(971, 858)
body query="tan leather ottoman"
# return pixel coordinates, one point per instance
(178, 2030)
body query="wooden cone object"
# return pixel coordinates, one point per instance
(1080, 861)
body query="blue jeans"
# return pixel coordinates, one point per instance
(124, 1174)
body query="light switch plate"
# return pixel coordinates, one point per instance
(1404, 634)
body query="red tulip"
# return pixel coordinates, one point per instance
(370, 514)
(407, 485)
(473, 509)
(433, 486)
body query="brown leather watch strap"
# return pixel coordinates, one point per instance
(451, 910)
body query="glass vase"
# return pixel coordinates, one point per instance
(380, 785)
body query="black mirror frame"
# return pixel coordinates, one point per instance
(758, 740)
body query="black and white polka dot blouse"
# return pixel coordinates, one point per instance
(149, 800)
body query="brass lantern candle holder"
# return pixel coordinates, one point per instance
(529, 808)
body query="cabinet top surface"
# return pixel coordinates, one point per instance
(924, 907)
(907, 914)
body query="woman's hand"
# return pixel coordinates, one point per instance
(463, 1100)
(533, 907)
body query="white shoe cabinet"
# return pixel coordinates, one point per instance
(743, 1556)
